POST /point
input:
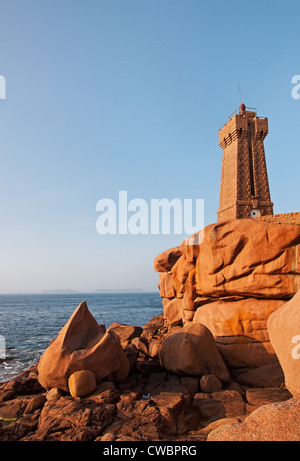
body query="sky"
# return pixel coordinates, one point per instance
(105, 96)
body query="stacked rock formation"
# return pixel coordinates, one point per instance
(82, 355)
(275, 421)
(222, 361)
(230, 277)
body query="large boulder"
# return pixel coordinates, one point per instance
(231, 277)
(249, 258)
(125, 332)
(191, 350)
(269, 375)
(173, 311)
(166, 260)
(239, 327)
(284, 332)
(277, 422)
(243, 257)
(82, 344)
(166, 288)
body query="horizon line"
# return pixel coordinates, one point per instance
(97, 291)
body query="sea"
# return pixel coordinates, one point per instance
(29, 322)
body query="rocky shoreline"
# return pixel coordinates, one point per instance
(221, 362)
(151, 404)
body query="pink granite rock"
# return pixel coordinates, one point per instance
(191, 350)
(82, 344)
(284, 332)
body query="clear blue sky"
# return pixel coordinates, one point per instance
(129, 95)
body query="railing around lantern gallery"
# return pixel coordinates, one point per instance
(251, 109)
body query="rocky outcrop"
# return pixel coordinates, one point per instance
(284, 331)
(166, 260)
(207, 368)
(149, 405)
(242, 258)
(82, 344)
(230, 277)
(239, 327)
(248, 258)
(273, 422)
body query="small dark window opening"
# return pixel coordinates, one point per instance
(251, 171)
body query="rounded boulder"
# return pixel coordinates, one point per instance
(191, 350)
(82, 383)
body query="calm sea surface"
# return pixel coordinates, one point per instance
(29, 322)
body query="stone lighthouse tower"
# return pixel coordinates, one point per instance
(245, 191)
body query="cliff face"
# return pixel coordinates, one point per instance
(231, 277)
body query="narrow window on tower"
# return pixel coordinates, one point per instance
(251, 160)
(251, 171)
